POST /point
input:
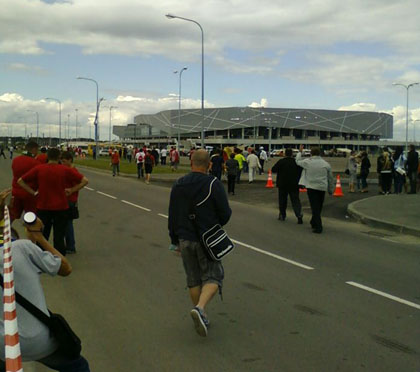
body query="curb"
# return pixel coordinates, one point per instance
(377, 222)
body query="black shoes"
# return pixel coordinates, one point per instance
(281, 217)
(300, 220)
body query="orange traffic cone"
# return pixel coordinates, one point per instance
(303, 189)
(269, 181)
(338, 190)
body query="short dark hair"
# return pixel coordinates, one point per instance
(315, 151)
(43, 149)
(412, 147)
(53, 154)
(289, 152)
(232, 156)
(31, 145)
(67, 155)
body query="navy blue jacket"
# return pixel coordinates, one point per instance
(212, 206)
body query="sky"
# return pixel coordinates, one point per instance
(325, 54)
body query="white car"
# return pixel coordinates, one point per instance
(104, 152)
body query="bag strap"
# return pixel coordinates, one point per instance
(29, 306)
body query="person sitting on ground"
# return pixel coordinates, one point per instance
(31, 257)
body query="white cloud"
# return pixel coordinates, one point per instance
(14, 117)
(17, 66)
(262, 103)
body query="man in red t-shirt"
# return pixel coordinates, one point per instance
(21, 200)
(52, 205)
(115, 162)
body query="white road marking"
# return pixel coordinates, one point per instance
(389, 240)
(274, 255)
(383, 294)
(162, 215)
(135, 205)
(107, 195)
(88, 188)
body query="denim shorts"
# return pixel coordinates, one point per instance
(199, 268)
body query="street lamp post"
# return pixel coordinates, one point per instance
(76, 110)
(97, 112)
(68, 128)
(179, 104)
(407, 87)
(110, 119)
(37, 123)
(414, 129)
(59, 117)
(171, 16)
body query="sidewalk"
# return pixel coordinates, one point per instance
(400, 213)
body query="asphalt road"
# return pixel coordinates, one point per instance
(288, 306)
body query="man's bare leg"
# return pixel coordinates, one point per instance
(195, 293)
(207, 293)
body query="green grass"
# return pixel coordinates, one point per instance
(125, 166)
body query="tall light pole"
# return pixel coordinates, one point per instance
(37, 123)
(110, 120)
(59, 117)
(76, 110)
(68, 128)
(97, 112)
(179, 104)
(171, 16)
(407, 87)
(414, 129)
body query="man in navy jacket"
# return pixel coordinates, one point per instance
(207, 196)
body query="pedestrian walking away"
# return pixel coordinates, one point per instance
(174, 158)
(149, 163)
(204, 276)
(263, 158)
(412, 167)
(52, 204)
(364, 170)
(217, 164)
(115, 163)
(11, 149)
(163, 155)
(31, 257)
(67, 160)
(287, 182)
(253, 164)
(241, 161)
(317, 178)
(232, 168)
(140, 161)
(2, 152)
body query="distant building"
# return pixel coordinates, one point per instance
(271, 127)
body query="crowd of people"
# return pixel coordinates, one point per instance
(392, 168)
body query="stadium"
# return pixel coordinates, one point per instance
(268, 127)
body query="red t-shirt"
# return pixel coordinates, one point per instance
(20, 165)
(51, 180)
(42, 158)
(115, 158)
(73, 197)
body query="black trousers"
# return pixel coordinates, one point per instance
(386, 179)
(294, 198)
(316, 200)
(262, 166)
(58, 221)
(412, 176)
(231, 183)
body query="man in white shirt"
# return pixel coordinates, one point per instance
(253, 164)
(163, 155)
(263, 158)
(140, 161)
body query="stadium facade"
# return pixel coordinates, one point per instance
(271, 127)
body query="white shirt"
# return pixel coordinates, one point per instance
(253, 161)
(164, 153)
(140, 157)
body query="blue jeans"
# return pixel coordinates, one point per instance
(70, 241)
(61, 363)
